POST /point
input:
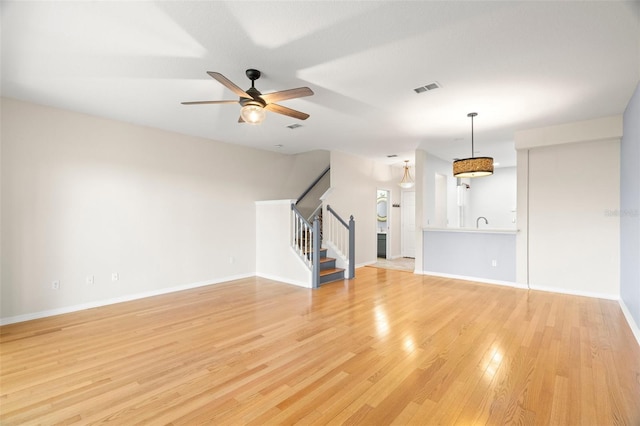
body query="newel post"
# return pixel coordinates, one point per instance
(315, 253)
(352, 248)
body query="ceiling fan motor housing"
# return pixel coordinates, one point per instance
(255, 98)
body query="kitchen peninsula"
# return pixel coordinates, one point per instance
(483, 254)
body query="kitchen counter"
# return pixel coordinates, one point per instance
(475, 230)
(474, 253)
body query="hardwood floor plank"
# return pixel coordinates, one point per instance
(389, 347)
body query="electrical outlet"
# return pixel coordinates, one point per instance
(114, 276)
(90, 279)
(55, 285)
(231, 259)
(494, 263)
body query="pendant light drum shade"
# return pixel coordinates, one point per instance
(472, 166)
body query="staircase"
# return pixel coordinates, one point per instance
(328, 271)
(307, 236)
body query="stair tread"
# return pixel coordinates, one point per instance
(324, 272)
(327, 259)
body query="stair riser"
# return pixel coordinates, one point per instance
(332, 277)
(328, 265)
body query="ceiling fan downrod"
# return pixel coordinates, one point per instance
(253, 75)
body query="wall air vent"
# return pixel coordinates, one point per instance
(427, 87)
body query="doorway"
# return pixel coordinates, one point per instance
(382, 222)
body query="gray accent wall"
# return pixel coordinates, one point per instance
(630, 208)
(470, 254)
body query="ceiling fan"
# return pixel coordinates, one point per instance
(255, 103)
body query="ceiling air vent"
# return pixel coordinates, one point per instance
(427, 87)
(294, 126)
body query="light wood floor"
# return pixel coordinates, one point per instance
(387, 347)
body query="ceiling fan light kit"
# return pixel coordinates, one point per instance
(472, 166)
(252, 113)
(255, 103)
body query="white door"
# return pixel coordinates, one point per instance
(408, 208)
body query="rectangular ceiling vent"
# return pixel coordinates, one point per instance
(427, 87)
(294, 126)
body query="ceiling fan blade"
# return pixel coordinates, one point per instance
(229, 84)
(208, 102)
(287, 94)
(286, 111)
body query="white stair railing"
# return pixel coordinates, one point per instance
(305, 240)
(301, 235)
(341, 236)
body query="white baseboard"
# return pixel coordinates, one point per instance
(632, 324)
(524, 286)
(473, 279)
(285, 280)
(127, 298)
(576, 292)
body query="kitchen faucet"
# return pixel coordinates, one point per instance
(486, 222)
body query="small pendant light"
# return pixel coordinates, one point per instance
(406, 181)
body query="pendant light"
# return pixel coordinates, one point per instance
(406, 181)
(473, 166)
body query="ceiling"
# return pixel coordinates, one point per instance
(520, 65)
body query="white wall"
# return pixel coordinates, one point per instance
(88, 196)
(565, 190)
(420, 207)
(395, 220)
(275, 258)
(433, 166)
(493, 197)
